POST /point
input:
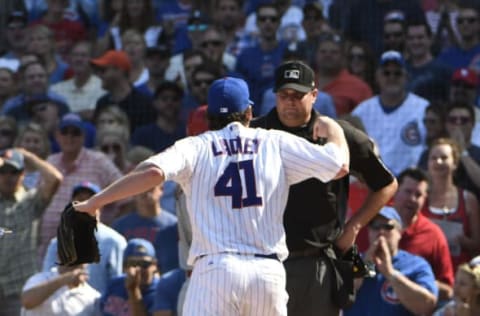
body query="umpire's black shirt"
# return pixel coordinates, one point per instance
(312, 203)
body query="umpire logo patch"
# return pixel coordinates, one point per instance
(410, 134)
(292, 74)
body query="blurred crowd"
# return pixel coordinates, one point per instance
(90, 88)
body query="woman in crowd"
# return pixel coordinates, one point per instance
(361, 62)
(8, 86)
(113, 141)
(454, 209)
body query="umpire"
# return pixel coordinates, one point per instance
(316, 211)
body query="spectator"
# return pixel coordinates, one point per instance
(157, 61)
(460, 120)
(428, 77)
(83, 90)
(393, 117)
(63, 291)
(41, 42)
(133, 293)
(137, 15)
(333, 78)
(169, 125)
(434, 122)
(66, 32)
(361, 63)
(113, 141)
(212, 42)
(77, 164)
(134, 46)
(173, 16)
(34, 138)
(404, 283)
(110, 13)
(21, 210)
(8, 131)
(111, 115)
(452, 208)
(113, 68)
(147, 221)
(229, 17)
(257, 64)
(33, 81)
(110, 243)
(421, 236)
(8, 85)
(15, 39)
(394, 31)
(465, 292)
(468, 24)
(314, 25)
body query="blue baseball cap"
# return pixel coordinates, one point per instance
(71, 119)
(390, 213)
(13, 158)
(392, 56)
(86, 185)
(228, 95)
(139, 247)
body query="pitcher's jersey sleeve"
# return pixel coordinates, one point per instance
(304, 160)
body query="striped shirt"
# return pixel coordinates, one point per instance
(236, 183)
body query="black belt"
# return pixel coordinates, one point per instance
(305, 253)
(256, 255)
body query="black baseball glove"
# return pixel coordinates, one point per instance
(76, 242)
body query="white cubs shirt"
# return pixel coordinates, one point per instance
(236, 182)
(399, 134)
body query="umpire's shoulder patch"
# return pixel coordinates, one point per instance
(410, 133)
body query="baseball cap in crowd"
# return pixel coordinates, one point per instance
(86, 186)
(392, 56)
(32, 101)
(12, 158)
(17, 15)
(197, 121)
(394, 16)
(313, 7)
(228, 95)
(139, 247)
(71, 119)
(390, 213)
(295, 75)
(113, 58)
(466, 76)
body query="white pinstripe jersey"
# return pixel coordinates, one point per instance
(236, 182)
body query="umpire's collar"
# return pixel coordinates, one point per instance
(271, 121)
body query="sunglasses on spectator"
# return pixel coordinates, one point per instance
(6, 132)
(10, 170)
(197, 27)
(383, 226)
(39, 107)
(458, 120)
(144, 264)
(111, 147)
(75, 132)
(214, 43)
(200, 82)
(466, 20)
(395, 74)
(265, 18)
(393, 35)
